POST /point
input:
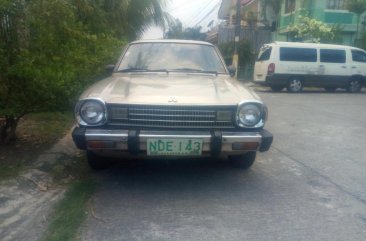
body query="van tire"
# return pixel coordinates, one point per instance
(276, 88)
(295, 85)
(354, 85)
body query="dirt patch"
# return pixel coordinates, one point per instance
(36, 133)
(26, 201)
(28, 195)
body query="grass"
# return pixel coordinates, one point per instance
(36, 132)
(10, 170)
(71, 211)
(45, 128)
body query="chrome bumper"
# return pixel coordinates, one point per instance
(134, 142)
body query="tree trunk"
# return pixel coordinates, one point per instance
(8, 128)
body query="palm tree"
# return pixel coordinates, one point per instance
(126, 18)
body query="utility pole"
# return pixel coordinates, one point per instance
(237, 37)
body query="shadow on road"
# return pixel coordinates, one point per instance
(188, 177)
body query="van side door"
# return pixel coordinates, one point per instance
(358, 64)
(333, 67)
(300, 62)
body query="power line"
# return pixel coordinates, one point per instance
(201, 11)
(208, 14)
(194, 12)
(180, 6)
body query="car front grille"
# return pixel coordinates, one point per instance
(170, 116)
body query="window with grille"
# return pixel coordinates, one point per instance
(290, 6)
(336, 4)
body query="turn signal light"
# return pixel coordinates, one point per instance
(245, 146)
(271, 69)
(101, 144)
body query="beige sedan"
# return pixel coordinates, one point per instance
(170, 98)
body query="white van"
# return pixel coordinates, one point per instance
(295, 65)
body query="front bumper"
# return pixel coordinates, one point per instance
(134, 142)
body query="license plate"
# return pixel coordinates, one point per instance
(174, 147)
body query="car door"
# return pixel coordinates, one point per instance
(358, 63)
(299, 61)
(333, 68)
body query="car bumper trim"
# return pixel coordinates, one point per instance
(134, 142)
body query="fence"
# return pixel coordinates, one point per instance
(255, 37)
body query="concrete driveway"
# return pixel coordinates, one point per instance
(311, 185)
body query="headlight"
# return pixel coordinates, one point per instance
(91, 112)
(251, 115)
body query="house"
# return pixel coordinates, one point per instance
(331, 12)
(252, 13)
(262, 15)
(253, 28)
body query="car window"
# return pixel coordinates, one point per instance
(332, 56)
(358, 56)
(265, 54)
(172, 56)
(298, 54)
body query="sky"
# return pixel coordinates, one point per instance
(191, 13)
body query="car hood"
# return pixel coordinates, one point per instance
(170, 88)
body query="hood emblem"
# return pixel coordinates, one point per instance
(172, 100)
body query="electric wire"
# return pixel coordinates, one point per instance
(200, 12)
(208, 14)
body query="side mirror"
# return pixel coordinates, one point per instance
(109, 68)
(232, 70)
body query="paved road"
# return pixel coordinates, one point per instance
(310, 186)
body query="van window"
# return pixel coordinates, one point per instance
(358, 56)
(332, 56)
(265, 54)
(298, 54)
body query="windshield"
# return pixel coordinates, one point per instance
(171, 57)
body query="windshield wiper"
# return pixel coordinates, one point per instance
(142, 70)
(132, 70)
(192, 70)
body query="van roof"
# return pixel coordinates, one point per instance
(297, 44)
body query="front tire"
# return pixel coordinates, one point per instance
(354, 86)
(96, 162)
(243, 161)
(295, 85)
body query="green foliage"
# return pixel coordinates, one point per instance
(126, 18)
(51, 49)
(47, 56)
(312, 30)
(245, 54)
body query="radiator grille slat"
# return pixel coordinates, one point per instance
(171, 116)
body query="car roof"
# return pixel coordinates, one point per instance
(297, 44)
(172, 41)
